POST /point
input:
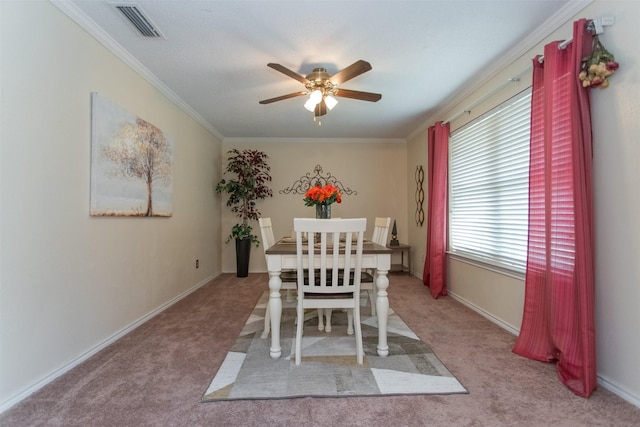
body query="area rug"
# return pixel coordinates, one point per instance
(328, 367)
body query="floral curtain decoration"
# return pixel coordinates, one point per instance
(598, 67)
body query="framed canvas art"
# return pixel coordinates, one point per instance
(131, 164)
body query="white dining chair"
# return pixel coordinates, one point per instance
(288, 278)
(332, 281)
(381, 230)
(379, 236)
(368, 279)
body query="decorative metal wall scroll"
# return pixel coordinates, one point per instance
(316, 178)
(419, 196)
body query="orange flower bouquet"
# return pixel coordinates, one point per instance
(326, 195)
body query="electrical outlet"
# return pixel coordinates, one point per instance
(197, 263)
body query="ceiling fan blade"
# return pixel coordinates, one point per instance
(350, 72)
(288, 72)
(321, 109)
(280, 98)
(355, 94)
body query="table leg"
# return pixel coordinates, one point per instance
(382, 308)
(275, 311)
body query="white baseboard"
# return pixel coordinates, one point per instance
(602, 381)
(8, 403)
(619, 391)
(515, 331)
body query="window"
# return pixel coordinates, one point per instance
(489, 182)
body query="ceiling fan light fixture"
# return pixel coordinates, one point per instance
(310, 105)
(330, 102)
(316, 96)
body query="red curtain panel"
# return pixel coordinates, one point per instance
(435, 267)
(558, 318)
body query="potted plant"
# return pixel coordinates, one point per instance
(249, 184)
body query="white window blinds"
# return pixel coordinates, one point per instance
(488, 190)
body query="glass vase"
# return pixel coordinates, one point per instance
(323, 211)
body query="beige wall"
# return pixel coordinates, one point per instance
(616, 136)
(70, 282)
(375, 170)
(417, 155)
(615, 113)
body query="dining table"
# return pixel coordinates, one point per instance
(283, 256)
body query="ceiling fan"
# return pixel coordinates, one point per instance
(322, 87)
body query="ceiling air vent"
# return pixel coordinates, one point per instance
(140, 22)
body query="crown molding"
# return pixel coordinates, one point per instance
(567, 12)
(90, 26)
(241, 140)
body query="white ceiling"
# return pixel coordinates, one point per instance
(214, 58)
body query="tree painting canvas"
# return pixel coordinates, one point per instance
(131, 164)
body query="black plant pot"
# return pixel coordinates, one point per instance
(243, 251)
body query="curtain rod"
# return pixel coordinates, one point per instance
(596, 26)
(467, 110)
(561, 46)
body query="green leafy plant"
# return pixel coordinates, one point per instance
(249, 184)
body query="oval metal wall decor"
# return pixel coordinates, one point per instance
(419, 196)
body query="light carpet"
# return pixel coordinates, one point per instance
(328, 367)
